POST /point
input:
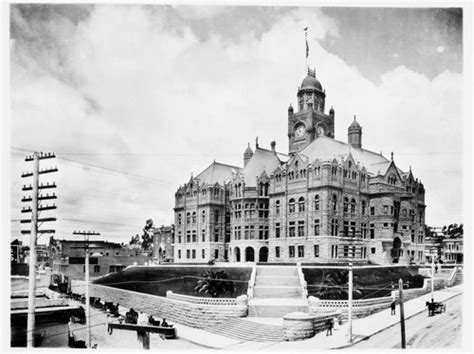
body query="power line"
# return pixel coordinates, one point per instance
(115, 171)
(102, 168)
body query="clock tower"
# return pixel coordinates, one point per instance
(310, 121)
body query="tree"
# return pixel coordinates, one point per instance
(147, 237)
(335, 286)
(135, 240)
(214, 283)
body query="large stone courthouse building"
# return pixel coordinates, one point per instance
(326, 201)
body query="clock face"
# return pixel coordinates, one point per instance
(300, 131)
(320, 131)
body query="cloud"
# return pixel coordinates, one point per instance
(162, 103)
(440, 49)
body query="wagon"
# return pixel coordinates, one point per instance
(435, 307)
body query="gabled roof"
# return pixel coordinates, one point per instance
(326, 149)
(262, 160)
(217, 172)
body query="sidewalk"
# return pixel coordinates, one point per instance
(363, 328)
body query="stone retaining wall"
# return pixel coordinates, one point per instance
(366, 307)
(300, 325)
(190, 314)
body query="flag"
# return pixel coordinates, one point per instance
(306, 38)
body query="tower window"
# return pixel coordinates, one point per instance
(291, 206)
(316, 202)
(301, 205)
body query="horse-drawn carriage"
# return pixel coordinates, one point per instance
(435, 307)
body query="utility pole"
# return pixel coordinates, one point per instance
(86, 235)
(34, 210)
(432, 277)
(402, 312)
(350, 303)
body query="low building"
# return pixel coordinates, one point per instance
(453, 249)
(68, 257)
(163, 239)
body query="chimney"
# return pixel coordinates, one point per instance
(273, 144)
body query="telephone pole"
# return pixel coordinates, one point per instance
(432, 277)
(34, 210)
(402, 312)
(86, 235)
(350, 303)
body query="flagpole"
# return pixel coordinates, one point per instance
(307, 48)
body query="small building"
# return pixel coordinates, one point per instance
(68, 257)
(163, 239)
(453, 249)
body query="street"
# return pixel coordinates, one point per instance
(440, 331)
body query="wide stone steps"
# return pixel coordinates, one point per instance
(248, 331)
(271, 280)
(274, 311)
(277, 291)
(276, 271)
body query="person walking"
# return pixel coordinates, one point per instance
(392, 307)
(329, 326)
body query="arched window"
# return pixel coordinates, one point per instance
(353, 206)
(277, 207)
(194, 217)
(203, 216)
(179, 219)
(291, 206)
(334, 202)
(301, 205)
(316, 202)
(346, 205)
(188, 218)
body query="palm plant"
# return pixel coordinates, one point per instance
(335, 286)
(214, 283)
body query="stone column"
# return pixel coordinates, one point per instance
(298, 326)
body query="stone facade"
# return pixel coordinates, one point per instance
(326, 202)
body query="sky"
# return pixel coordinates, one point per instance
(133, 99)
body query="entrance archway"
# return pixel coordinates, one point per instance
(249, 254)
(263, 254)
(237, 254)
(396, 249)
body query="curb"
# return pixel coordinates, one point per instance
(383, 329)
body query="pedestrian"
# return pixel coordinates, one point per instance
(392, 307)
(436, 268)
(336, 323)
(329, 326)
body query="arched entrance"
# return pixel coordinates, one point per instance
(396, 249)
(249, 254)
(263, 254)
(237, 254)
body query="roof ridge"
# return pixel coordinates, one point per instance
(347, 144)
(225, 164)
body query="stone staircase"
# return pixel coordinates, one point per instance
(245, 330)
(458, 278)
(277, 291)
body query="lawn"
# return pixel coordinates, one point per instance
(372, 282)
(181, 280)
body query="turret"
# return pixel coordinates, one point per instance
(354, 134)
(248, 153)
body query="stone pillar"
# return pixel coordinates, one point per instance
(241, 300)
(298, 326)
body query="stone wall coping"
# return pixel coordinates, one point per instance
(203, 300)
(298, 316)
